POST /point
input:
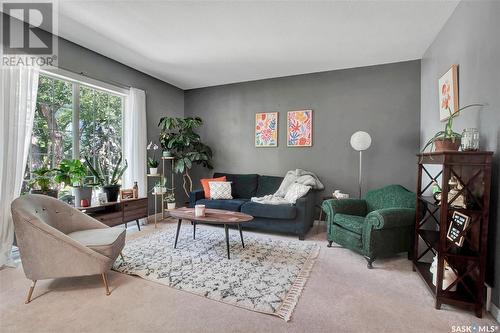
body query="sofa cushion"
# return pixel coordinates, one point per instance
(352, 223)
(285, 212)
(243, 186)
(230, 204)
(206, 188)
(106, 241)
(268, 185)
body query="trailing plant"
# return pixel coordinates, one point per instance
(106, 172)
(70, 172)
(170, 198)
(42, 180)
(447, 133)
(178, 136)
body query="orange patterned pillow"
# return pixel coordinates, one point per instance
(206, 188)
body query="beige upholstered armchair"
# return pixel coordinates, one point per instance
(56, 240)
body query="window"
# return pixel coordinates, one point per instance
(60, 102)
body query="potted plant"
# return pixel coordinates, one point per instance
(42, 182)
(107, 174)
(447, 140)
(170, 200)
(152, 161)
(72, 173)
(160, 186)
(178, 136)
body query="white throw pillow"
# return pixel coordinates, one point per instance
(220, 190)
(296, 191)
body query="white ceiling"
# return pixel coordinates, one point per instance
(194, 44)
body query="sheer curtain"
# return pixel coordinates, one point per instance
(18, 89)
(135, 140)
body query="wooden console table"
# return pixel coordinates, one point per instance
(120, 212)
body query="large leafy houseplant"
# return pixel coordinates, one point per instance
(447, 139)
(107, 172)
(72, 173)
(42, 182)
(179, 137)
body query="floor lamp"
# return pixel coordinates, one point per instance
(360, 141)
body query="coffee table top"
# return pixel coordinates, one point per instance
(213, 216)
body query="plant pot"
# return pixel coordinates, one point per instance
(170, 205)
(82, 192)
(447, 145)
(153, 171)
(167, 153)
(50, 193)
(112, 192)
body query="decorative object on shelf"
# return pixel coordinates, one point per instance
(448, 275)
(360, 141)
(72, 173)
(170, 200)
(102, 198)
(166, 153)
(470, 139)
(152, 161)
(160, 186)
(339, 195)
(42, 182)
(107, 173)
(447, 140)
(178, 136)
(126, 194)
(459, 223)
(436, 191)
(448, 93)
(454, 188)
(266, 129)
(84, 203)
(135, 190)
(299, 131)
(199, 210)
(470, 171)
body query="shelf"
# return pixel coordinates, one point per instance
(430, 236)
(423, 270)
(168, 158)
(154, 175)
(431, 201)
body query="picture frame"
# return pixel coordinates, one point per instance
(448, 93)
(458, 223)
(126, 194)
(102, 198)
(299, 131)
(266, 129)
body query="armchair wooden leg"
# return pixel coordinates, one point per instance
(369, 262)
(105, 280)
(30, 292)
(329, 243)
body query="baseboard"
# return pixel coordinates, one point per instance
(495, 312)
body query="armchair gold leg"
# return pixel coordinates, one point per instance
(30, 292)
(105, 280)
(121, 256)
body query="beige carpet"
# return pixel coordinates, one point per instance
(340, 296)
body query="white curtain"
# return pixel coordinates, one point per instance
(18, 91)
(135, 140)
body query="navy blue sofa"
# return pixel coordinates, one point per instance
(294, 219)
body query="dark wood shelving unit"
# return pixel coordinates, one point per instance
(473, 172)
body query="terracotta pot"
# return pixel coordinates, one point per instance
(447, 144)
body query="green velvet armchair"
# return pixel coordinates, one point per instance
(380, 225)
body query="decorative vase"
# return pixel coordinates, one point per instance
(170, 205)
(82, 193)
(153, 171)
(167, 153)
(470, 139)
(112, 192)
(447, 144)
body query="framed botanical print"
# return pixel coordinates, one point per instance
(299, 128)
(448, 93)
(266, 129)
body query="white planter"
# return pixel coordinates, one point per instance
(153, 171)
(170, 205)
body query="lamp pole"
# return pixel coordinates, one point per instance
(360, 141)
(360, 172)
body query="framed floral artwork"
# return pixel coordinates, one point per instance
(266, 129)
(299, 128)
(448, 93)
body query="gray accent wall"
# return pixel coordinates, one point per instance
(470, 39)
(382, 100)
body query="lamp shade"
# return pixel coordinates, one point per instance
(361, 141)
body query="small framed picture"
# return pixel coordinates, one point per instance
(102, 197)
(126, 194)
(459, 222)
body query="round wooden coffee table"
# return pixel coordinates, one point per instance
(212, 216)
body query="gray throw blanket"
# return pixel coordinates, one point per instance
(293, 176)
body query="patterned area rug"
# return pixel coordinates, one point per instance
(266, 276)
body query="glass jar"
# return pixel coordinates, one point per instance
(470, 139)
